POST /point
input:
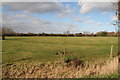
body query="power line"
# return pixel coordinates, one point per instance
(64, 41)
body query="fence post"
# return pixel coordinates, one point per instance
(111, 51)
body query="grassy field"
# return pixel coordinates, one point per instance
(42, 49)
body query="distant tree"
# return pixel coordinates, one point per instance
(104, 33)
(114, 34)
(78, 34)
(86, 33)
(43, 34)
(6, 31)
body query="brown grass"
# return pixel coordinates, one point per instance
(59, 69)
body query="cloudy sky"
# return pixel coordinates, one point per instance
(58, 17)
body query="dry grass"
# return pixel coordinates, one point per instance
(59, 69)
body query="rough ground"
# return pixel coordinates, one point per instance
(59, 69)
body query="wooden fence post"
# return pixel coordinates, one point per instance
(111, 51)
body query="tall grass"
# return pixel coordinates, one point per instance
(58, 69)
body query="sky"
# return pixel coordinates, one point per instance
(59, 17)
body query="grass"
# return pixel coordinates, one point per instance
(17, 50)
(34, 57)
(113, 75)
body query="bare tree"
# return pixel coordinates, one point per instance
(119, 10)
(6, 31)
(118, 23)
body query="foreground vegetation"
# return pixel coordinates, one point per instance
(59, 69)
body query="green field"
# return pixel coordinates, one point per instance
(43, 49)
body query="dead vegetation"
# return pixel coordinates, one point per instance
(73, 68)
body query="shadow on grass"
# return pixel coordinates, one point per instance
(9, 64)
(10, 38)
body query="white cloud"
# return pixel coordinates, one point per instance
(40, 7)
(114, 18)
(90, 22)
(77, 19)
(104, 12)
(96, 23)
(34, 7)
(81, 20)
(100, 7)
(25, 23)
(65, 11)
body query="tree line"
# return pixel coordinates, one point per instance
(10, 32)
(101, 33)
